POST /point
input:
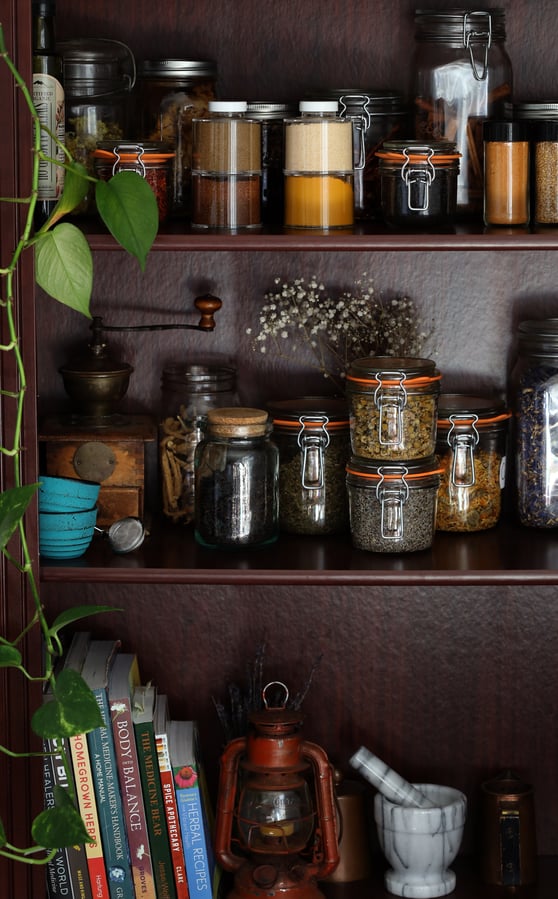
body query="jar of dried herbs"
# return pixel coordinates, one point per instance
(471, 449)
(392, 506)
(535, 398)
(188, 393)
(393, 404)
(237, 480)
(312, 434)
(462, 76)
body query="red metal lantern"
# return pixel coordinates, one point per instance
(275, 826)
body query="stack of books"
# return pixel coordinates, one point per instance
(140, 788)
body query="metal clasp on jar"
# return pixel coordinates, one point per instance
(390, 400)
(479, 37)
(392, 496)
(463, 443)
(361, 124)
(418, 180)
(313, 446)
(135, 165)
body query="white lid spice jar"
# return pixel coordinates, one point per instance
(393, 403)
(226, 167)
(237, 480)
(392, 505)
(318, 168)
(471, 447)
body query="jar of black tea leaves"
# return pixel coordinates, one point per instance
(471, 448)
(393, 403)
(237, 480)
(312, 434)
(535, 393)
(392, 505)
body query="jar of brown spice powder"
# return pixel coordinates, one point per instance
(506, 173)
(226, 167)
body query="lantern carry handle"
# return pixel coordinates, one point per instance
(327, 859)
(225, 804)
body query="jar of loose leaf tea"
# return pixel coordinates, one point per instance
(534, 386)
(471, 449)
(392, 505)
(226, 168)
(462, 76)
(312, 434)
(393, 404)
(188, 393)
(237, 480)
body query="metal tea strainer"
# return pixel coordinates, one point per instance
(124, 535)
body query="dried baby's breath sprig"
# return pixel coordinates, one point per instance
(336, 329)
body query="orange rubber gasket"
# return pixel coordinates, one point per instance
(504, 416)
(330, 425)
(393, 156)
(394, 477)
(419, 381)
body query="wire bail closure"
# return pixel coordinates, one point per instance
(392, 497)
(313, 446)
(418, 180)
(463, 445)
(470, 37)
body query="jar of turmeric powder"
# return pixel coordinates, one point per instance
(318, 168)
(506, 173)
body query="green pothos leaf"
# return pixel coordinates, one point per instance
(77, 613)
(73, 709)
(76, 185)
(60, 825)
(10, 656)
(64, 266)
(127, 205)
(13, 503)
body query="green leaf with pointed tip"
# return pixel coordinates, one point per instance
(10, 657)
(73, 709)
(75, 189)
(60, 825)
(128, 207)
(13, 503)
(70, 616)
(64, 266)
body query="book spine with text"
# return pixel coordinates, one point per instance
(171, 812)
(198, 852)
(87, 805)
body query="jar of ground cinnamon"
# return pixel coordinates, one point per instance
(226, 167)
(319, 168)
(506, 173)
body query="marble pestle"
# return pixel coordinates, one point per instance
(387, 781)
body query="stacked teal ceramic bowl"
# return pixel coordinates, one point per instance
(67, 516)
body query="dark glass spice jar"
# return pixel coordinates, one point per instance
(151, 161)
(534, 386)
(471, 448)
(237, 480)
(312, 434)
(392, 505)
(462, 76)
(270, 114)
(188, 393)
(418, 183)
(393, 404)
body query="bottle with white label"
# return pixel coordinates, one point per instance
(48, 98)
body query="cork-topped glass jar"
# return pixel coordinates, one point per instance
(393, 403)
(237, 480)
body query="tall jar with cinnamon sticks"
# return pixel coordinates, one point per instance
(462, 76)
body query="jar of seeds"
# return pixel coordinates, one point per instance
(545, 173)
(535, 398)
(471, 449)
(188, 392)
(393, 404)
(237, 480)
(312, 434)
(392, 506)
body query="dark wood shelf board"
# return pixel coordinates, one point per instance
(178, 236)
(507, 554)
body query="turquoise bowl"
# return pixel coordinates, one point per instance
(58, 494)
(67, 526)
(64, 551)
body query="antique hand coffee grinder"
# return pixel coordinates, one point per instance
(97, 443)
(276, 820)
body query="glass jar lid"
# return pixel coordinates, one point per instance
(198, 376)
(370, 473)
(535, 110)
(539, 337)
(460, 27)
(372, 371)
(97, 67)
(376, 102)
(152, 152)
(318, 106)
(461, 409)
(177, 68)
(438, 152)
(270, 109)
(312, 411)
(239, 106)
(237, 421)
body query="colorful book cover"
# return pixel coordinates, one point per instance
(143, 708)
(85, 787)
(95, 673)
(160, 724)
(195, 818)
(123, 679)
(67, 874)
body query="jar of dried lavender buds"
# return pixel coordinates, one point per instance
(188, 393)
(535, 392)
(471, 449)
(312, 434)
(393, 403)
(392, 506)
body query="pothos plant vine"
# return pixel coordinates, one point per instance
(64, 270)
